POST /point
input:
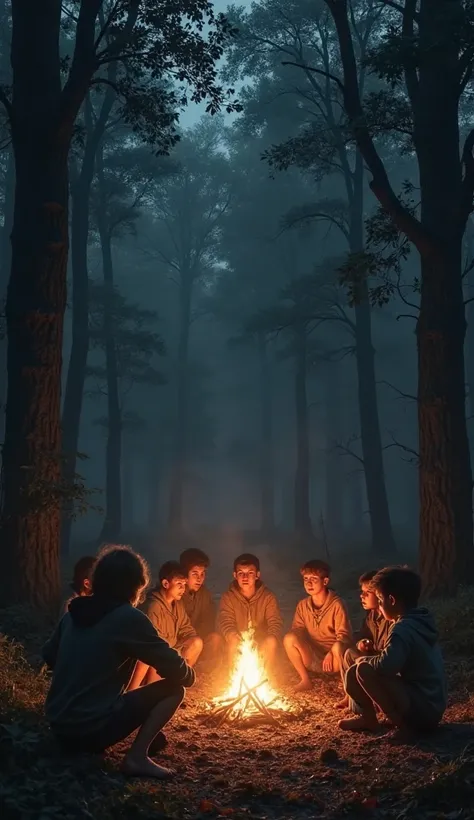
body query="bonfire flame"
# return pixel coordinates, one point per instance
(248, 684)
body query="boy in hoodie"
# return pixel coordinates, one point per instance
(81, 579)
(165, 609)
(372, 635)
(249, 603)
(198, 602)
(321, 629)
(407, 680)
(93, 651)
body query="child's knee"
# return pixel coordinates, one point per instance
(365, 672)
(197, 644)
(290, 640)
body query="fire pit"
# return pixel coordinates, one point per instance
(249, 698)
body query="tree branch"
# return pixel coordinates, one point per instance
(316, 71)
(400, 393)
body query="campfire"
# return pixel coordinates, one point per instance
(249, 698)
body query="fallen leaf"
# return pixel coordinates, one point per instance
(206, 806)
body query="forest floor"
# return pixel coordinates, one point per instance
(304, 769)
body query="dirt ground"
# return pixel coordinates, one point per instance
(304, 768)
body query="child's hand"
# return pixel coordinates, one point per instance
(328, 663)
(366, 646)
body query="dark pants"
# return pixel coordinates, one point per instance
(362, 684)
(133, 710)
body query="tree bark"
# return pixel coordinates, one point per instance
(112, 526)
(76, 374)
(303, 525)
(5, 266)
(434, 89)
(36, 300)
(267, 478)
(179, 467)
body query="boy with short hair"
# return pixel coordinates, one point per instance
(407, 680)
(249, 603)
(372, 635)
(321, 629)
(198, 601)
(165, 609)
(93, 651)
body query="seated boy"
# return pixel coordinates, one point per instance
(407, 680)
(93, 652)
(198, 602)
(81, 579)
(321, 629)
(248, 602)
(372, 635)
(165, 609)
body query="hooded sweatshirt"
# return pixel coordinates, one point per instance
(413, 652)
(171, 622)
(201, 611)
(323, 626)
(236, 612)
(93, 652)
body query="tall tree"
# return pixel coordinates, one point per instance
(149, 39)
(426, 53)
(281, 48)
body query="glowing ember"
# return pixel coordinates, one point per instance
(249, 693)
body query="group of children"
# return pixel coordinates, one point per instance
(121, 659)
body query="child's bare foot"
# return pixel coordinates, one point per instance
(342, 704)
(359, 724)
(303, 686)
(145, 768)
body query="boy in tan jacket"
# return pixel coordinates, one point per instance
(321, 629)
(249, 603)
(166, 611)
(198, 602)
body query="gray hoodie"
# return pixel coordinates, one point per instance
(413, 652)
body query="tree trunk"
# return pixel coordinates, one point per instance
(36, 300)
(113, 453)
(267, 478)
(179, 467)
(128, 486)
(303, 524)
(5, 266)
(334, 484)
(383, 542)
(76, 374)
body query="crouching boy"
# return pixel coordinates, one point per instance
(407, 680)
(198, 602)
(321, 629)
(248, 602)
(93, 652)
(372, 635)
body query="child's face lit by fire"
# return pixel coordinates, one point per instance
(196, 578)
(175, 588)
(246, 577)
(368, 598)
(314, 584)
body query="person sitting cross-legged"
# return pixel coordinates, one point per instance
(248, 603)
(91, 704)
(407, 680)
(321, 629)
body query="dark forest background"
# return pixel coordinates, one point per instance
(236, 270)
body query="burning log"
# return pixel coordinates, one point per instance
(249, 697)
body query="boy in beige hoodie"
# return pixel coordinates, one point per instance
(321, 630)
(249, 603)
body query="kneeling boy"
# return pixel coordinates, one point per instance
(248, 602)
(407, 680)
(93, 652)
(321, 629)
(198, 602)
